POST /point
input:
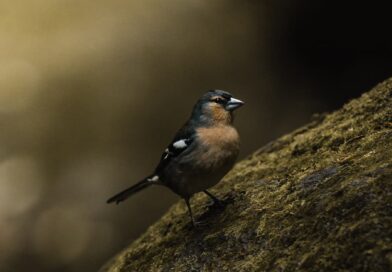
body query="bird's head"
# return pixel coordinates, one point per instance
(216, 107)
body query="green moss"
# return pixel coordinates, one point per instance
(318, 199)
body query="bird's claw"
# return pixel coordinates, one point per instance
(217, 203)
(199, 224)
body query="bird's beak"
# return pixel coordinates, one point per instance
(234, 104)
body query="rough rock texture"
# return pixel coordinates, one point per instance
(318, 199)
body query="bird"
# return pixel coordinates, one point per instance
(201, 153)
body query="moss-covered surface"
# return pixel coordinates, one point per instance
(318, 199)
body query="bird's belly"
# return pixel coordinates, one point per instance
(193, 176)
(200, 181)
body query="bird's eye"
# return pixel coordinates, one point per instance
(218, 100)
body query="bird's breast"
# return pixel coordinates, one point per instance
(220, 145)
(219, 136)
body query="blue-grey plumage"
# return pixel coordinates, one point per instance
(201, 153)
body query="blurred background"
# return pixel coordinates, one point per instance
(91, 92)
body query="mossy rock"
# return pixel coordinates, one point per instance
(318, 199)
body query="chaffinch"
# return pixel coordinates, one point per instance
(201, 153)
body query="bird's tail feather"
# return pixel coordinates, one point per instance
(121, 196)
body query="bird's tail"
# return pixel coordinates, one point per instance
(121, 196)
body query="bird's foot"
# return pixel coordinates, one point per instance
(215, 201)
(217, 204)
(199, 224)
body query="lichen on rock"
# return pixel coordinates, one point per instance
(318, 199)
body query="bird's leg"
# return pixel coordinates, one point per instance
(188, 204)
(216, 201)
(194, 222)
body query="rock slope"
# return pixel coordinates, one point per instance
(318, 199)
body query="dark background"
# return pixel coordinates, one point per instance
(92, 91)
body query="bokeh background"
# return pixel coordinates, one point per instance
(92, 91)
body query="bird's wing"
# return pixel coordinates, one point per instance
(179, 144)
